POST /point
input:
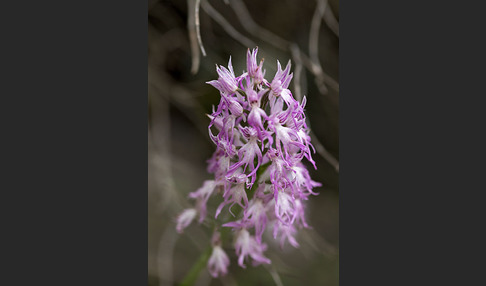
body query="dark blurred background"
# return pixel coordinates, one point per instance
(307, 33)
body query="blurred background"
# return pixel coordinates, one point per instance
(303, 31)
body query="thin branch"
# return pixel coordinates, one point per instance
(318, 243)
(274, 273)
(193, 38)
(317, 71)
(331, 21)
(253, 28)
(165, 255)
(198, 29)
(226, 25)
(314, 43)
(159, 130)
(304, 82)
(323, 152)
(314, 30)
(183, 101)
(298, 71)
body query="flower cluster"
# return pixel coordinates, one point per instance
(261, 138)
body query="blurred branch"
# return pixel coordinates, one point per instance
(331, 22)
(314, 30)
(294, 49)
(315, 65)
(247, 43)
(194, 34)
(165, 256)
(158, 132)
(323, 152)
(183, 101)
(318, 243)
(276, 278)
(316, 70)
(198, 28)
(253, 28)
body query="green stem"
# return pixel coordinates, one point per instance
(192, 275)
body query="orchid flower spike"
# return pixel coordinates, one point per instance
(261, 139)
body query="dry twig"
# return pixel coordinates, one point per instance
(294, 49)
(194, 34)
(253, 28)
(314, 43)
(216, 16)
(321, 150)
(198, 28)
(276, 278)
(331, 22)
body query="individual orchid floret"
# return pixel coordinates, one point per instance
(235, 195)
(282, 79)
(227, 83)
(254, 71)
(202, 195)
(219, 164)
(256, 216)
(256, 112)
(216, 121)
(280, 92)
(219, 261)
(247, 245)
(284, 136)
(278, 170)
(185, 219)
(224, 140)
(305, 139)
(284, 206)
(299, 215)
(303, 179)
(286, 232)
(247, 155)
